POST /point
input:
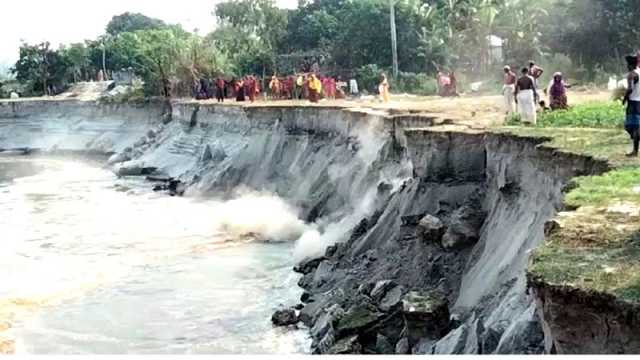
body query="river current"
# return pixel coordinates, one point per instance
(94, 264)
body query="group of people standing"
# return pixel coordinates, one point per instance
(524, 93)
(221, 89)
(304, 86)
(307, 86)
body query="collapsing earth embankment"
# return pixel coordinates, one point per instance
(416, 237)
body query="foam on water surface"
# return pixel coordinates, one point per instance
(97, 264)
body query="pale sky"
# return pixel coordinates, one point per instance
(65, 21)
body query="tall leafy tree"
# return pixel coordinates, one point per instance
(131, 22)
(158, 57)
(594, 33)
(39, 66)
(77, 56)
(250, 31)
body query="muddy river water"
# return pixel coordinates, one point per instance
(93, 264)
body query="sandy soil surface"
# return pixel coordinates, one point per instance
(471, 110)
(477, 111)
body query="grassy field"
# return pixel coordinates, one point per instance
(601, 143)
(597, 246)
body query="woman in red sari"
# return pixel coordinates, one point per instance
(257, 87)
(325, 85)
(238, 89)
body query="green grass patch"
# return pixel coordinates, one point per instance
(615, 186)
(608, 115)
(598, 246)
(592, 115)
(613, 270)
(606, 144)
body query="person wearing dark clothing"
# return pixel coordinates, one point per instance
(220, 90)
(203, 86)
(195, 89)
(204, 91)
(239, 90)
(558, 93)
(526, 97)
(632, 101)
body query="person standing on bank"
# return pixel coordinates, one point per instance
(526, 96)
(383, 89)
(238, 88)
(558, 93)
(632, 101)
(315, 88)
(509, 89)
(299, 84)
(535, 72)
(353, 87)
(220, 86)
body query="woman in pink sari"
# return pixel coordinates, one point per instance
(332, 88)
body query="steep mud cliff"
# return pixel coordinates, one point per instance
(518, 186)
(75, 125)
(417, 238)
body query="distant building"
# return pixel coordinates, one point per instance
(124, 77)
(495, 49)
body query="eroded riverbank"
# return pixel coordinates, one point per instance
(363, 179)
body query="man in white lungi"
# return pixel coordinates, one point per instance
(509, 89)
(526, 98)
(353, 87)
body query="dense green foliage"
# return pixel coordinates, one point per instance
(41, 67)
(250, 34)
(168, 59)
(132, 22)
(585, 39)
(597, 32)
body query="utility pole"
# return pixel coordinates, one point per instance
(394, 37)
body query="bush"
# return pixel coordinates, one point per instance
(412, 83)
(369, 77)
(11, 85)
(135, 95)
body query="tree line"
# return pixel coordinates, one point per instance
(585, 38)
